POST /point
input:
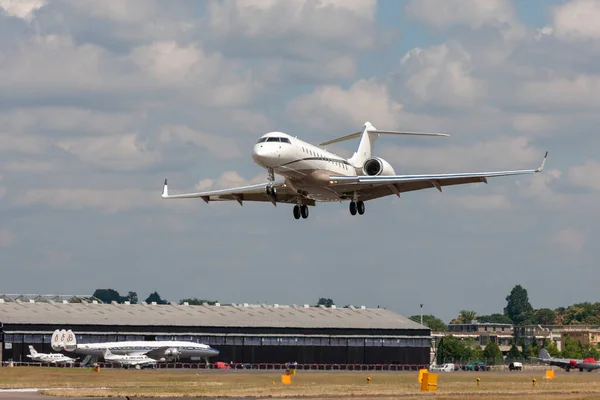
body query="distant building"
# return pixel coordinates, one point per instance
(585, 336)
(245, 333)
(483, 333)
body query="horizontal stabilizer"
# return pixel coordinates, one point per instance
(357, 134)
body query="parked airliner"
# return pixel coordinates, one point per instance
(158, 350)
(311, 173)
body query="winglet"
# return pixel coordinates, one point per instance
(541, 167)
(165, 192)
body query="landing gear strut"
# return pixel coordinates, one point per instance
(300, 211)
(357, 206)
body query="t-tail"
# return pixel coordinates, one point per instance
(32, 351)
(368, 136)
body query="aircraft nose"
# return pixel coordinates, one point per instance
(264, 155)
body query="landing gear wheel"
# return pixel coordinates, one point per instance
(297, 212)
(271, 190)
(304, 211)
(360, 205)
(352, 208)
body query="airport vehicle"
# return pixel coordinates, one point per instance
(588, 364)
(163, 350)
(443, 368)
(53, 358)
(136, 360)
(311, 173)
(476, 366)
(515, 366)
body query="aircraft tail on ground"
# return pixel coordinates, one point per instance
(64, 340)
(544, 355)
(32, 351)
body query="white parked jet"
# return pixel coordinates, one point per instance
(313, 174)
(137, 360)
(53, 358)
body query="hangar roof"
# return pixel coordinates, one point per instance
(235, 315)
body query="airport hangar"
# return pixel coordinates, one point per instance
(243, 333)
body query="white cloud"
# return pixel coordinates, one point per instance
(365, 100)
(586, 175)
(571, 239)
(441, 74)
(577, 20)
(123, 152)
(472, 13)
(501, 153)
(105, 201)
(221, 147)
(485, 202)
(24, 9)
(7, 238)
(331, 20)
(228, 179)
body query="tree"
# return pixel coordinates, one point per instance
(108, 295)
(518, 308)
(590, 351)
(572, 348)
(156, 298)
(325, 302)
(464, 317)
(435, 324)
(133, 297)
(514, 353)
(492, 353)
(197, 302)
(494, 318)
(544, 316)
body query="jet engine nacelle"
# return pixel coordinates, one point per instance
(377, 166)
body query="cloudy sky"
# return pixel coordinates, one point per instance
(102, 100)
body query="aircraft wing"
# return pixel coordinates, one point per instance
(240, 194)
(371, 187)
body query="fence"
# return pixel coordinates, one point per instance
(239, 366)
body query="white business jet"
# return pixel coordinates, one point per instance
(313, 174)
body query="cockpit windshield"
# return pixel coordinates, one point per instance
(274, 139)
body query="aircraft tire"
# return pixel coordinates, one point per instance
(304, 211)
(297, 212)
(352, 208)
(360, 206)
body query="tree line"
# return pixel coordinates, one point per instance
(519, 311)
(110, 295)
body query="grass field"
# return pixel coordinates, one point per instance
(186, 383)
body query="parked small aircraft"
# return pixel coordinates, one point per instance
(567, 364)
(53, 358)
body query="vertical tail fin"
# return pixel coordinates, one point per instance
(365, 147)
(32, 351)
(544, 355)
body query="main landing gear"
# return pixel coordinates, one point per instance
(357, 206)
(300, 211)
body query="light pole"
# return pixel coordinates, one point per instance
(421, 314)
